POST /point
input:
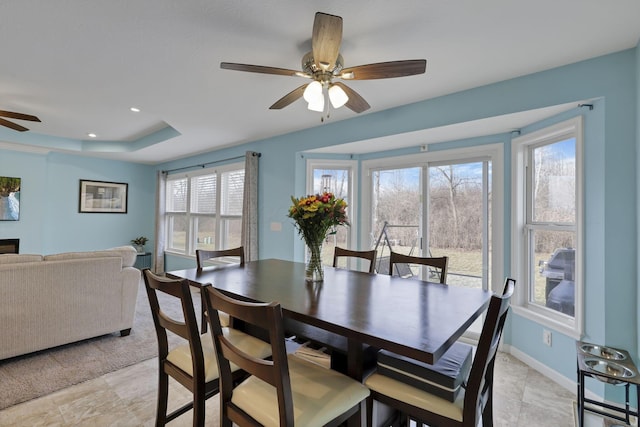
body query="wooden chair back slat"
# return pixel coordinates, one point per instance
(367, 255)
(204, 255)
(441, 263)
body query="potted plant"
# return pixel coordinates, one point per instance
(139, 243)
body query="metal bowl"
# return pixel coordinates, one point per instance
(603, 352)
(612, 369)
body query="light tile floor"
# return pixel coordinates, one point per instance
(522, 397)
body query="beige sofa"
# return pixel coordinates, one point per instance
(47, 301)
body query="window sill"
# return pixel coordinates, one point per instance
(179, 254)
(563, 327)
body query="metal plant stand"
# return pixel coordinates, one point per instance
(609, 365)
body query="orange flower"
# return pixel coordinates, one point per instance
(316, 216)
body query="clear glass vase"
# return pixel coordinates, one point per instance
(314, 271)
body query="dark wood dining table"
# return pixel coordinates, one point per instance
(410, 317)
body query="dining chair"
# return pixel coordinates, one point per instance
(401, 262)
(192, 364)
(202, 256)
(339, 252)
(205, 255)
(475, 401)
(283, 391)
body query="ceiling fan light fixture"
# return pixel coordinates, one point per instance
(324, 63)
(317, 104)
(313, 92)
(337, 96)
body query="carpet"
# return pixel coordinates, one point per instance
(37, 374)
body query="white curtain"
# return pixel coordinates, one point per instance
(250, 207)
(158, 250)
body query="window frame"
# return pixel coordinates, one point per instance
(491, 151)
(192, 217)
(352, 205)
(522, 225)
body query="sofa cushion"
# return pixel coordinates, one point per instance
(19, 258)
(127, 253)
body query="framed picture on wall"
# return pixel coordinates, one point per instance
(9, 198)
(103, 197)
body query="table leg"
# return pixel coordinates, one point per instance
(355, 359)
(355, 369)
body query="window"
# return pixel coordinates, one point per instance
(459, 219)
(204, 209)
(396, 213)
(547, 235)
(336, 177)
(440, 203)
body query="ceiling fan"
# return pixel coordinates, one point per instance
(18, 116)
(324, 64)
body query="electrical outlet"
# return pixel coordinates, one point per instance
(546, 337)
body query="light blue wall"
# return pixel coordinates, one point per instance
(610, 183)
(49, 219)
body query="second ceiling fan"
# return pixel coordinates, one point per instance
(19, 116)
(324, 64)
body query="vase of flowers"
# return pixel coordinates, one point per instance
(315, 217)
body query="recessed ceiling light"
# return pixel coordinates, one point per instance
(134, 109)
(92, 135)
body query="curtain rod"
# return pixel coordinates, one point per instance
(202, 165)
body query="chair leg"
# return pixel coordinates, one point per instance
(163, 394)
(224, 420)
(198, 408)
(369, 410)
(487, 414)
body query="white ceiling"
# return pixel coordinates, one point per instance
(80, 64)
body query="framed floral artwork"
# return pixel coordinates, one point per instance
(9, 198)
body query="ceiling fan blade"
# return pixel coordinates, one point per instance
(289, 98)
(326, 39)
(262, 69)
(20, 116)
(385, 70)
(356, 102)
(12, 125)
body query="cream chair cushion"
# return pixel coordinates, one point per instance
(312, 387)
(416, 397)
(181, 356)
